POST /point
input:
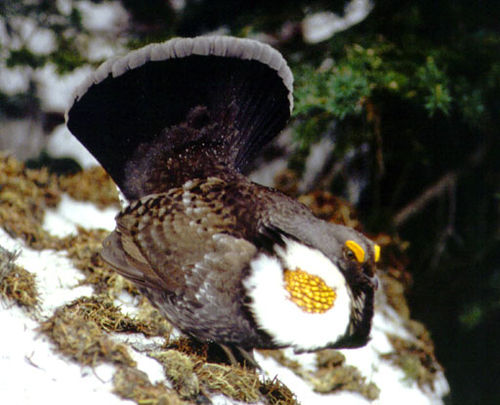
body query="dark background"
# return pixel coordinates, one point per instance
(412, 102)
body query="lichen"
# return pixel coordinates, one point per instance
(232, 381)
(331, 374)
(130, 383)
(277, 393)
(179, 368)
(109, 318)
(16, 283)
(192, 376)
(93, 185)
(416, 358)
(24, 196)
(82, 339)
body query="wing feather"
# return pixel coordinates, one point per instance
(177, 249)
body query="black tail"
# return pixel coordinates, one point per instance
(165, 113)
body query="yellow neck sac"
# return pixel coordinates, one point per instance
(309, 292)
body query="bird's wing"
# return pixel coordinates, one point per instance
(181, 253)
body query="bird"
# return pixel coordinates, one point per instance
(177, 126)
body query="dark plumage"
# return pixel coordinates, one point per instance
(175, 125)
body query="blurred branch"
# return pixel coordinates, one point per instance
(432, 192)
(445, 184)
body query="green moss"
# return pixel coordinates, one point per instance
(24, 57)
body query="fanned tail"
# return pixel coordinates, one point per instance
(182, 109)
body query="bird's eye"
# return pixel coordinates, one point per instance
(348, 254)
(354, 251)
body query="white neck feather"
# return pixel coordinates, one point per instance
(283, 319)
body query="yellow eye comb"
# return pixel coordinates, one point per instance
(358, 251)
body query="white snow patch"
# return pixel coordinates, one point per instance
(4, 36)
(103, 17)
(146, 364)
(100, 48)
(139, 342)
(63, 220)
(20, 30)
(62, 143)
(56, 91)
(128, 304)
(23, 138)
(42, 41)
(15, 79)
(64, 6)
(26, 31)
(315, 162)
(220, 399)
(31, 373)
(321, 26)
(177, 5)
(56, 277)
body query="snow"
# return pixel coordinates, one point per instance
(27, 356)
(103, 17)
(42, 41)
(99, 49)
(323, 25)
(23, 138)
(177, 5)
(57, 279)
(64, 6)
(14, 80)
(104, 22)
(56, 91)
(62, 144)
(315, 162)
(32, 373)
(63, 221)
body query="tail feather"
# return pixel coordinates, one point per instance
(161, 114)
